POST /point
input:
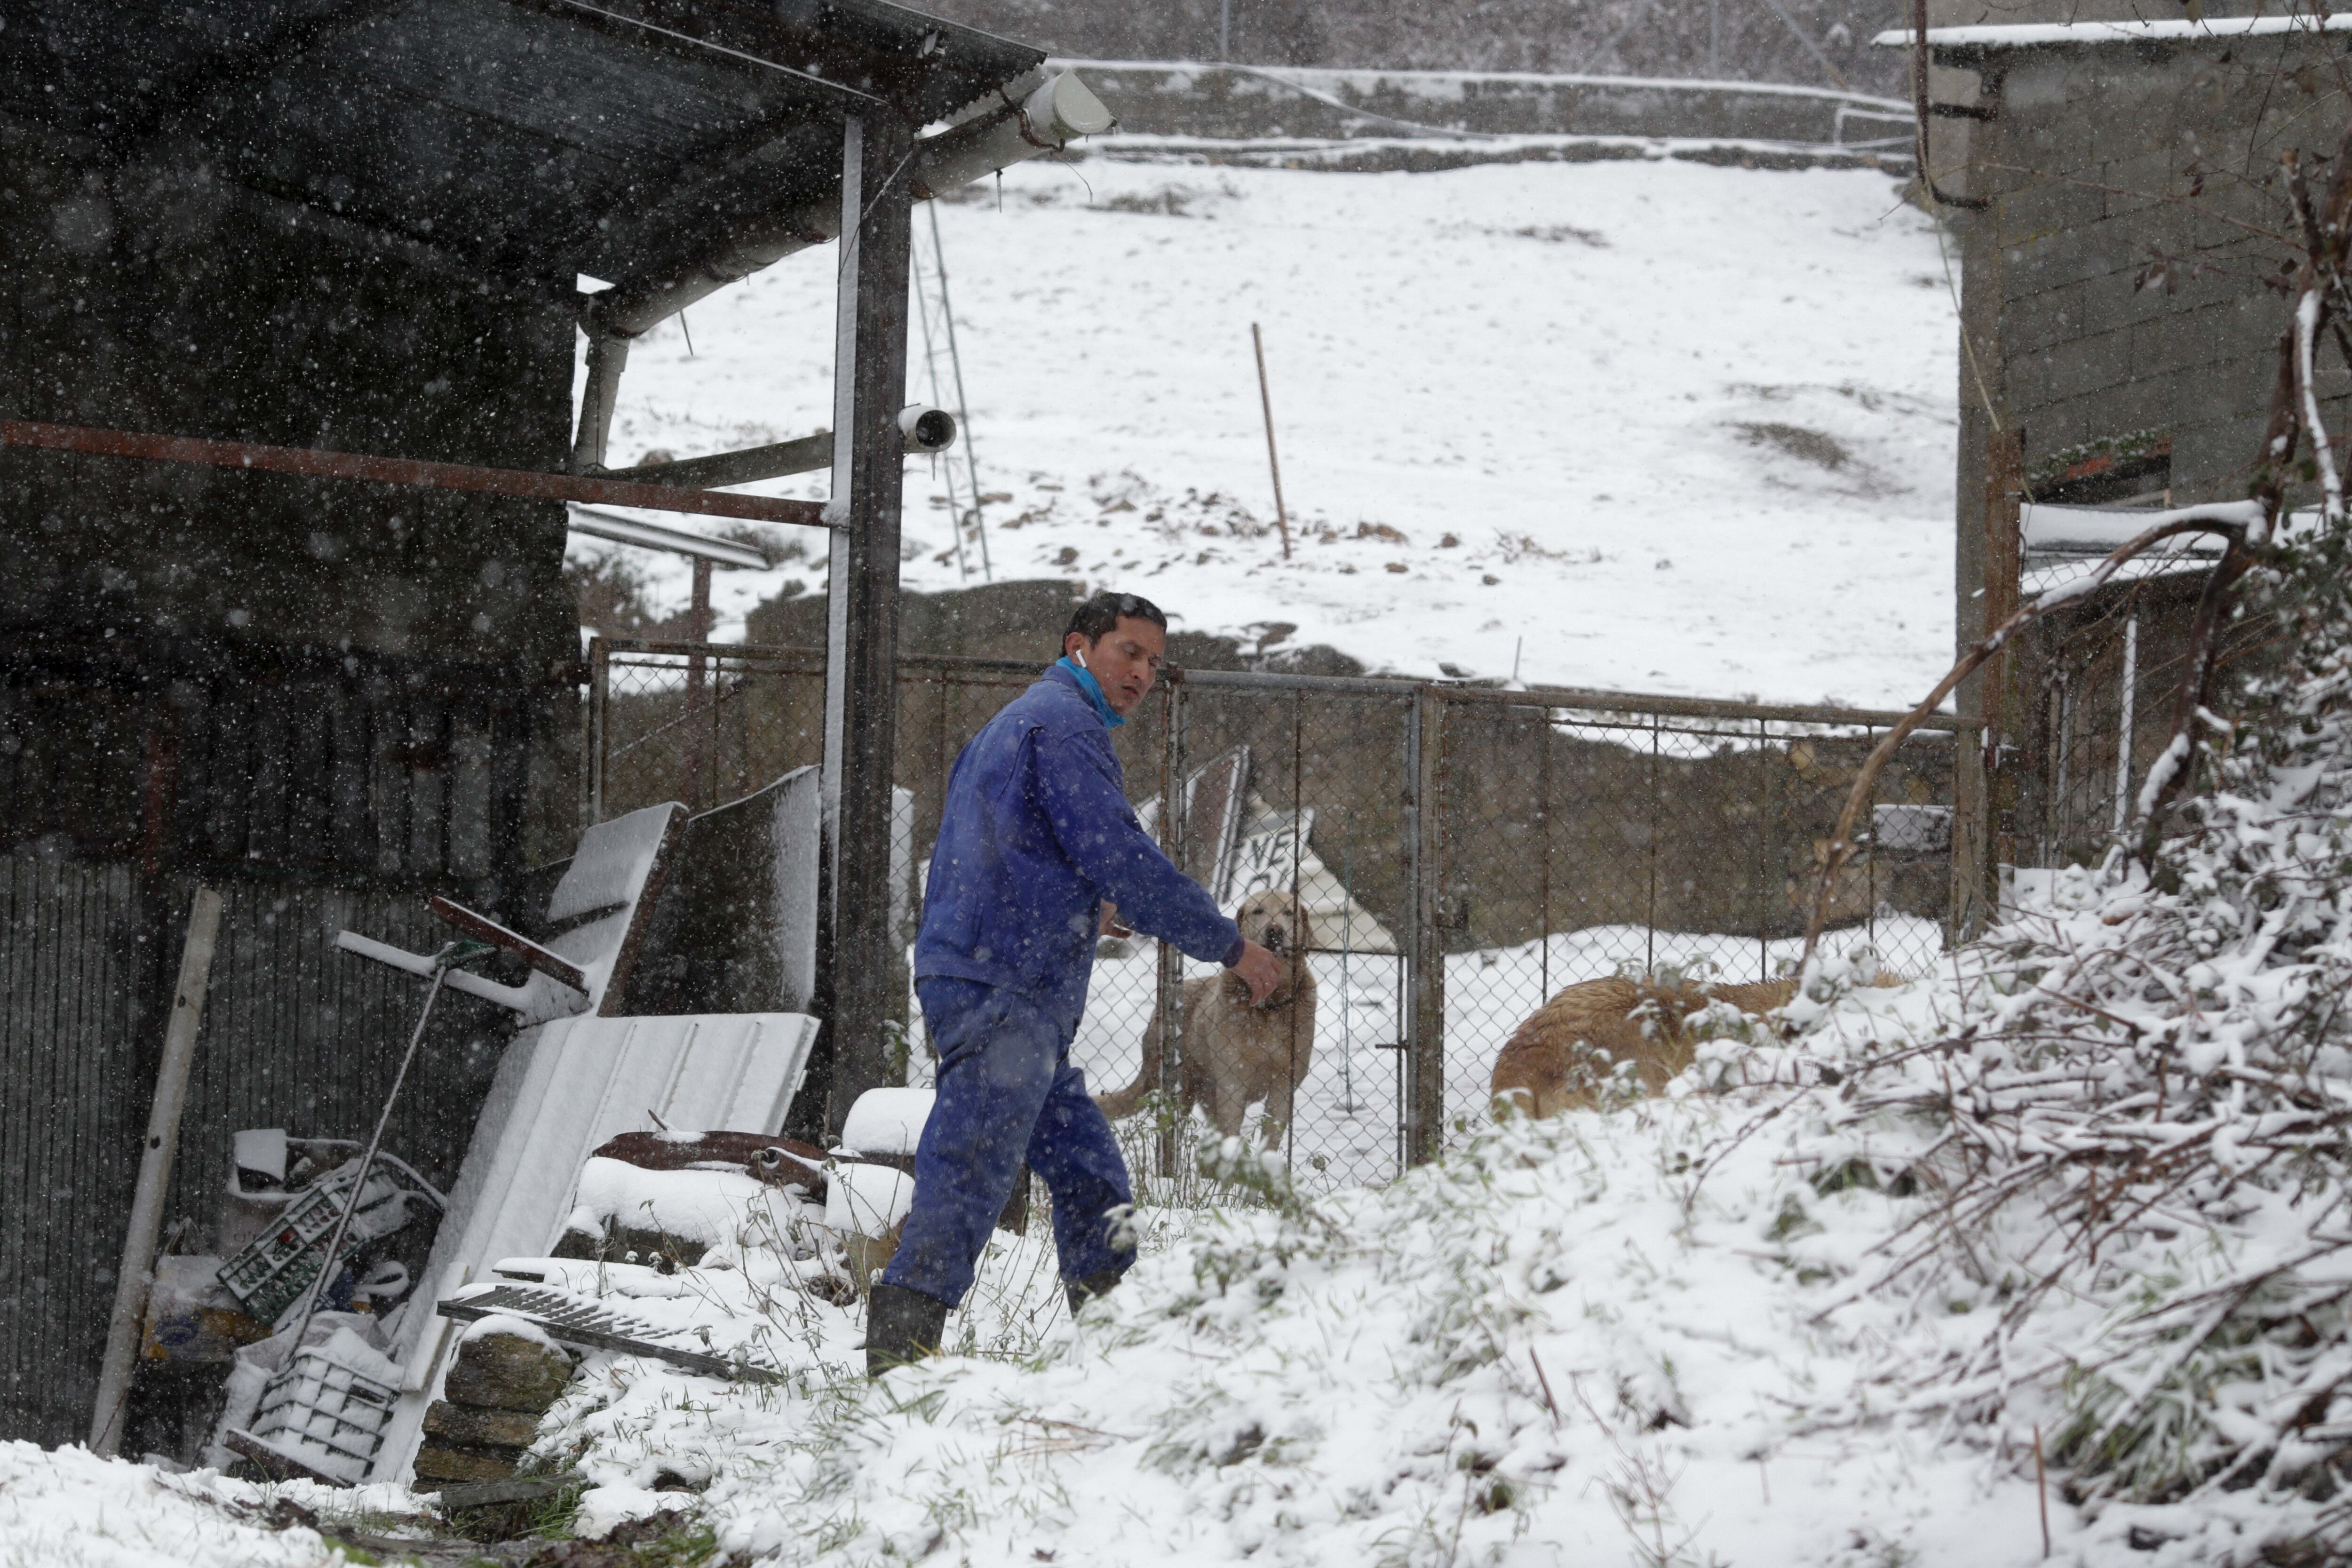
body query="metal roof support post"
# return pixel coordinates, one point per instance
(608, 355)
(856, 965)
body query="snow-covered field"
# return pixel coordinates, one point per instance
(1648, 425)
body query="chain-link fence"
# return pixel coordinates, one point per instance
(2096, 683)
(1584, 841)
(1436, 859)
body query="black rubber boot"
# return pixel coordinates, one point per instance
(1099, 1283)
(902, 1327)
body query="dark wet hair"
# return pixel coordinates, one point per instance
(1103, 613)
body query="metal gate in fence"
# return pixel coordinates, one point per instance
(1460, 852)
(2095, 686)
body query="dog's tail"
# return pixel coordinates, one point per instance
(1146, 1077)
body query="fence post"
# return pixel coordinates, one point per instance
(1171, 959)
(600, 697)
(1425, 1041)
(1985, 786)
(701, 712)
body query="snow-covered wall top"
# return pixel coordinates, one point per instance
(2171, 29)
(1181, 98)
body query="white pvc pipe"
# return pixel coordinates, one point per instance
(138, 1273)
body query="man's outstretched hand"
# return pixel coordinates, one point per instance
(1259, 970)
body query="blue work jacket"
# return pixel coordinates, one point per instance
(1036, 832)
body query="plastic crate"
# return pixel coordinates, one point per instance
(326, 1414)
(271, 1273)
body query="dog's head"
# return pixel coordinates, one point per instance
(1277, 921)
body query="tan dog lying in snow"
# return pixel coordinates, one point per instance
(1553, 1062)
(1236, 1054)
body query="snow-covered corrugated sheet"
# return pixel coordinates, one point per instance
(561, 1090)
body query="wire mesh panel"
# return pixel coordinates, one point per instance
(698, 723)
(1582, 844)
(2097, 684)
(1433, 862)
(1288, 810)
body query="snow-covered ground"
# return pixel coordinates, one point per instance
(1563, 1345)
(1648, 425)
(1718, 1326)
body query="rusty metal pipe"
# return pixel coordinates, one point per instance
(520, 483)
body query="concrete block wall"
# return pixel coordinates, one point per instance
(2120, 240)
(1229, 101)
(2116, 282)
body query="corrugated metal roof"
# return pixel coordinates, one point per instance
(527, 138)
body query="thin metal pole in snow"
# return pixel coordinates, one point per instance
(1265, 401)
(1347, 951)
(2124, 734)
(450, 955)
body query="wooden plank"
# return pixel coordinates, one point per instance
(481, 928)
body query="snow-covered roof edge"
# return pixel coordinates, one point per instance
(2037, 34)
(1364, 78)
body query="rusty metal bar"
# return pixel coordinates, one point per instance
(1537, 697)
(701, 714)
(520, 483)
(1423, 1065)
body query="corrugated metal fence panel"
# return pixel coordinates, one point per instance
(296, 1034)
(333, 767)
(73, 981)
(300, 1036)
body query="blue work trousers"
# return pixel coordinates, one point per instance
(1007, 1093)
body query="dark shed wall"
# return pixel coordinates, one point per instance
(154, 298)
(327, 699)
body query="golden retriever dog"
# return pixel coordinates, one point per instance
(1554, 1061)
(1236, 1055)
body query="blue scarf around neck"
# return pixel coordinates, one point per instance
(1093, 689)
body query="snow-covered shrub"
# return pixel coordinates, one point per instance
(2123, 1133)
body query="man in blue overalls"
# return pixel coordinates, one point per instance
(1036, 837)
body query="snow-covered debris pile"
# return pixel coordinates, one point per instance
(66, 1508)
